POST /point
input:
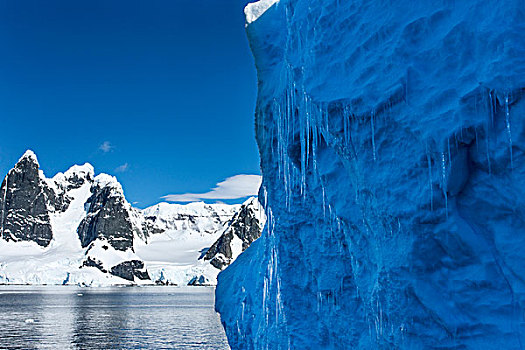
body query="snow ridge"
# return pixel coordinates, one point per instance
(254, 10)
(29, 154)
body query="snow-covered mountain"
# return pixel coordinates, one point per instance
(78, 228)
(244, 228)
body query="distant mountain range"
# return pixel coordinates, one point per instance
(78, 228)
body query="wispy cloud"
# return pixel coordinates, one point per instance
(238, 186)
(105, 147)
(122, 168)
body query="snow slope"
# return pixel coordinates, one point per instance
(29, 263)
(391, 137)
(174, 256)
(181, 252)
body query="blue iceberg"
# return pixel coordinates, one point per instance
(392, 138)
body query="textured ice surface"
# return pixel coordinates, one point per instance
(391, 136)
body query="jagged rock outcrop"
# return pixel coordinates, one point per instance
(245, 227)
(129, 270)
(24, 198)
(62, 184)
(108, 215)
(29, 200)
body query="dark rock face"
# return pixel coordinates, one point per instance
(150, 228)
(128, 270)
(73, 179)
(108, 216)
(57, 201)
(246, 225)
(90, 262)
(27, 199)
(24, 195)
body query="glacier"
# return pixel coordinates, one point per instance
(391, 137)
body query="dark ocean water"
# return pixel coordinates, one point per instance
(109, 318)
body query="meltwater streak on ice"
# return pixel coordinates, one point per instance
(361, 251)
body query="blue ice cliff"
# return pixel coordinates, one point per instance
(392, 138)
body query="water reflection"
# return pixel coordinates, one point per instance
(112, 318)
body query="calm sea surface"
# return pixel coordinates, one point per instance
(109, 318)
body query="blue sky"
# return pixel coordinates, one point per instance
(159, 93)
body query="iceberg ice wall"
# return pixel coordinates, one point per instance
(392, 138)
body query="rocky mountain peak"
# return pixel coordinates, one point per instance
(110, 183)
(28, 157)
(78, 175)
(86, 170)
(108, 215)
(244, 228)
(73, 178)
(24, 196)
(28, 164)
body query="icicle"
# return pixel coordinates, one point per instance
(238, 328)
(278, 306)
(345, 126)
(308, 131)
(507, 122)
(325, 115)
(373, 137)
(265, 294)
(430, 182)
(381, 319)
(487, 149)
(444, 181)
(449, 155)
(314, 144)
(265, 195)
(492, 107)
(303, 133)
(476, 136)
(324, 200)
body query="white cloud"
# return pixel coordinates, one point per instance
(106, 146)
(238, 186)
(122, 168)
